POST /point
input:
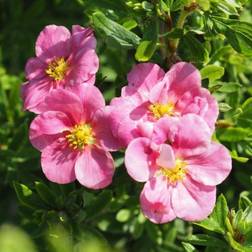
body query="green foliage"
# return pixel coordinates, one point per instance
(214, 35)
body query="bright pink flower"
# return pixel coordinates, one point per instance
(181, 168)
(75, 138)
(62, 60)
(151, 94)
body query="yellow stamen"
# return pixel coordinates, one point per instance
(80, 136)
(57, 69)
(158, 110)
(176, 173)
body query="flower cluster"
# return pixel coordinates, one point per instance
(164, 120)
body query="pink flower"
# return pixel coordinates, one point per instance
(151, 94)
(181, 168)
(74, 137)
(62, 60)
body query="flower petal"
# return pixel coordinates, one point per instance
(155, 201)
(57, 161)
(183, 77)
(188, 135)
(192, 136)
(192, 201)
(53, 41)
(144, 76)
(139, 159)
(33, 94)
(65, 101)
(34, 69)
(212, 166)
(94, 168)
(91, 99)
(102, 128)
(166, 158)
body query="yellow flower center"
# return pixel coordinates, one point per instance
(176, 173)
(158, 110)
(80, 136)
(57, 69)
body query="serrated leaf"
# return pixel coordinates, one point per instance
(212, 72)
(112, 29)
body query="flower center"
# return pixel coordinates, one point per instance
(176, 173)
(158, 110)
(80, 136)
(57, 68)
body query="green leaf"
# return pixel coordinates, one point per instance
(123, 215)
(212, 72)
(238, 33)
(145, 50)
(116, 31)
(26, 196)
(233, 134)
(206, 240)
(216, 222)
(192, 49)
(188, 247)
(224, 107)
(245, 118)
(229, 87)
(45, 193)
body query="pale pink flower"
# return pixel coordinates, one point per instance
(151, 94)
(75, 138)
(63, 59)
(181, 168)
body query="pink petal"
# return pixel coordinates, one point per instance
(66, 102)
(188, 135)
(155, 200)
(58, 162)
(192, 201)
(166, 158)
(159, 93)
(46, 127)
(192, 136)
(35, 69)
(211, 115)
(144, 76)
(182, 78)
(53, 41)
(94, 168)
(138, 159)
(212, 166)
(123, 126)
(33, 94)
(103, 133)
(82, 37)
(51, 122)
(84, 65)
(91, 99)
